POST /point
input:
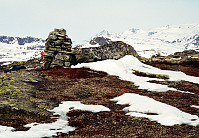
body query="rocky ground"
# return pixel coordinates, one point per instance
(26, 95)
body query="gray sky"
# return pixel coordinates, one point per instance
(85, 18)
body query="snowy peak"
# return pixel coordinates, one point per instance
(180, 27)
(185, 35)
(130, 32)
(175, 31)
(133, 30)
(103, 33)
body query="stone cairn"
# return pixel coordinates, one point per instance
(57, 50)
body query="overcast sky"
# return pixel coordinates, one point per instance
(85, 18)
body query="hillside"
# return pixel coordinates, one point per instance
(114, 98)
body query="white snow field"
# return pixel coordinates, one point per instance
(166, 114)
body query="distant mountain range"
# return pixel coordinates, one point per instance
(163, 40)
(35, 43)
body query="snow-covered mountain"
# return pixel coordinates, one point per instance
(19, 48)
(103, 32)
(163, 40)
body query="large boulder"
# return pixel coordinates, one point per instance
(112, 50)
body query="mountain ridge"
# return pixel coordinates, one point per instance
(21, 40)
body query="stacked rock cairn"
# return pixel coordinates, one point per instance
(57, 50)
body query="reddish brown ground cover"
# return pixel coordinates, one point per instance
(93, 87)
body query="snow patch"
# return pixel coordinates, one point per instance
(141, 106)
(195, 106)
